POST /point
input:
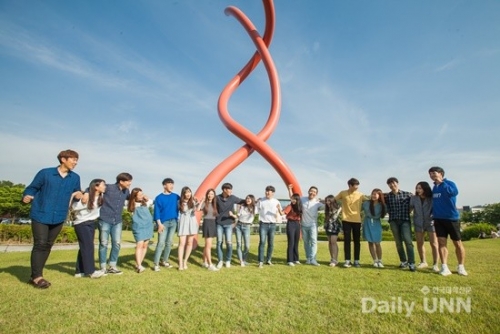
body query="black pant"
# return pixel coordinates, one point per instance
(293, 236)
(43, 238)
(85, 262)
(356, 236)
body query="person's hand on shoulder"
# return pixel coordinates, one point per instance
(85, 198)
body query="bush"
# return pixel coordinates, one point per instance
(474, 230)
(22, 234)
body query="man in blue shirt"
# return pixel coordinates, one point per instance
(446, 216)
(50, 193)
(110, 221)
(166, 212)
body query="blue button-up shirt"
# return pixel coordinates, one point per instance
(114, 201)
(51, 194)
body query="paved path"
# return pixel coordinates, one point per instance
(4, 248)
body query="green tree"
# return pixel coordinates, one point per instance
(491, 213)
(10, 200)
(126, 220)
(472, 217)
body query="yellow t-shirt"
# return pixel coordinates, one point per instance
(351, 205)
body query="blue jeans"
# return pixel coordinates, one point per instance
(225, 231)
(310, 238)
(266, 232)
(401, 230)
(165, 241)
(243, 234)
(114, 231)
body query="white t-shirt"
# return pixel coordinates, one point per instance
(83, 214)
(245, 216)
(268, 210)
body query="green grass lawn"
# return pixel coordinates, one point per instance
(277, 299)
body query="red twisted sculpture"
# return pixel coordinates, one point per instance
(254, 142)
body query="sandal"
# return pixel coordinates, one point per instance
(41, 284)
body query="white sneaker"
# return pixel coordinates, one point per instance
(164, 264)
(156, 268)
(297, 262)
(375, 264)
(380, 265)
(261, 265)
(212, 268)
(435, 268)
(140, 269)
(220, 264)
(205, 265)
(269, 263)
(445, 271)
(97, 274)
(242, 264)
(228, 264)
(80, 275)
(291, 264)
(347, 264)
(422, 265)
(461, 271)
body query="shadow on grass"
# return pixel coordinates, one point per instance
(22, 273)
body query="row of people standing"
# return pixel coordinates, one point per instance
(225, 212)
(53, 188)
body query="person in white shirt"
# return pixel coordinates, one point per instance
(84, 222)
(268, 208)
(245, 215)
(310, 208)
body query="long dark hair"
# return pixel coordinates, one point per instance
(207, 203)
(189, 202)
(426, 188)
(133, 199)
(381, 200)
(250, 207)
(297, 207)
(93, 184)
(330, 206)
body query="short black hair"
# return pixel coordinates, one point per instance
(352, 182)
(123, 177)
(313, 187)
(436, 169)
(392, 179)
(270, 188)
(167, 180)
(227, 186)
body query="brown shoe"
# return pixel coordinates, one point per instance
(40, 284)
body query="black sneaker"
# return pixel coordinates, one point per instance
(403, 265)
(113, 271)
(412, 267)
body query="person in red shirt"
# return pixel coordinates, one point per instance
(293, 212)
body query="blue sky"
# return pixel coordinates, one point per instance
(370, 89)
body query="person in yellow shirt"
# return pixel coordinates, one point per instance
(351, 200)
